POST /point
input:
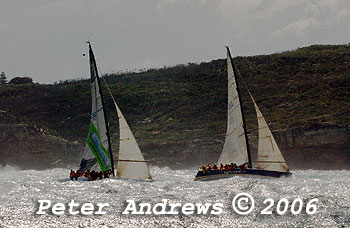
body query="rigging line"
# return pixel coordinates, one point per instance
(110, 93)
(245, 84)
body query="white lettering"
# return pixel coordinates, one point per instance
(87, 209)
(43, 205)
(71, 205)
(130, 207)
(188, 209)
(142, 207)
(100, 207)
(58, 209)
(202, 209)
(172, 207)
(217, 208)
(162, 205)
(165, 208)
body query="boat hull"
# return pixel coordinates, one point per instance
(258, 173)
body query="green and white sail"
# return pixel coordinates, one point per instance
(235, 148)
(97, 151)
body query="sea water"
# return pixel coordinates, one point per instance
(21, 190)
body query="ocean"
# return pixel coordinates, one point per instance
(326, 192)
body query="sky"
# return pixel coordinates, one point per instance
(45, 39)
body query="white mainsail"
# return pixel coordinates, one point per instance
(131, 163)
(235, 147)
(269, 155)
(96, 154)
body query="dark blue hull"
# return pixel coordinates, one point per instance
(216, 174)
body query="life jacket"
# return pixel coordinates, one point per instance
(242, 167)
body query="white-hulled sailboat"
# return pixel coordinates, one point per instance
(270, 161)
(98, 154)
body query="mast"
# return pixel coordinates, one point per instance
(243, 119)
(92, 60)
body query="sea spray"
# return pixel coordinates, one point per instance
(23, 189)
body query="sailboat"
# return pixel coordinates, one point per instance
(270, 161)
(98, 154)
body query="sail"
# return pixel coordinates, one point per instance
(131, 163)
(96, 154)
(269, 155)
(235, 147)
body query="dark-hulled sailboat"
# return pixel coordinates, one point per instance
(270, 161)
(97, 152)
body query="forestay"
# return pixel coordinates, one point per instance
(269, 155)
(131, 163)
(235, 147)
(96, 155)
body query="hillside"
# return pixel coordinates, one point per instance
(25, 144)
(178, 114)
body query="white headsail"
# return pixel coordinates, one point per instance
(131, 163)
(96, 154)
(235, 147)
(269, 155)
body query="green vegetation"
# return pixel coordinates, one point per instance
(296, 88)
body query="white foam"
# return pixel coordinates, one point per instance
(8, 168)
(21, 191)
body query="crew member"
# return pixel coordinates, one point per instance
(209, 168)
(100, 175)
(242, 167)
(221, 168)
(88, 174)
(203, 169)
(72, 174)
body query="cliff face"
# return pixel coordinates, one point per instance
(28, 146)
(319, 147)
(316, 147)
